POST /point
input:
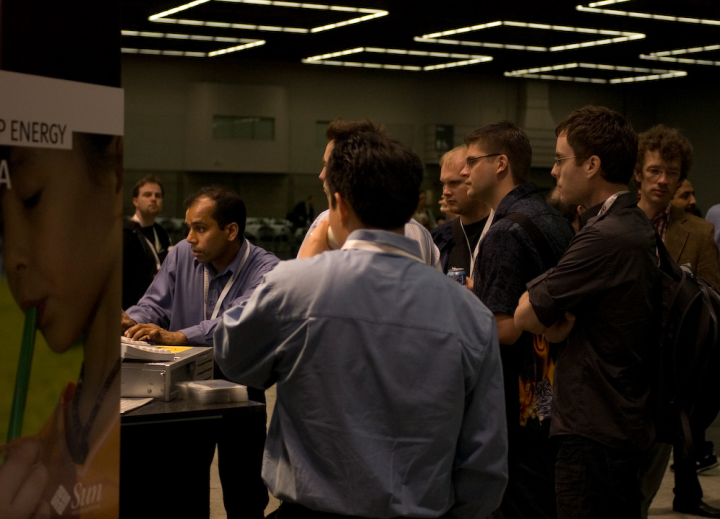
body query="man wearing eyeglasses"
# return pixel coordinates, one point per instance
(603, 296)
(497, 171)
(663, 162)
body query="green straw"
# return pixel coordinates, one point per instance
(23, 374)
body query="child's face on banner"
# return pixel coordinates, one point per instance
(58, 244)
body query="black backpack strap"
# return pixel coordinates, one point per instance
(538, 238)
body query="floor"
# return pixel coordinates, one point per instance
(661, 507)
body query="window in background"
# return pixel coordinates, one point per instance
(243, 127)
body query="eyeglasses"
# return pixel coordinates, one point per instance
(471, 161)
(558, 162)
(669, 173)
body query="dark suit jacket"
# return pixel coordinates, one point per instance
(690, 240)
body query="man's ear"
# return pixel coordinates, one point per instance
(343, 208)
(503, 165)
(593, 167)
(232, 230)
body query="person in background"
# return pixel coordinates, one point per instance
(713, 216)
(684, 198)
(145, 242)
(497, 168)
(663, 163)
(423, 215)
(459, 239)
(389, 402)
(319, 237)
(303, 213)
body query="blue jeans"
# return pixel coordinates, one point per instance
(594, 481)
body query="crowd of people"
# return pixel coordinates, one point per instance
(400, 392)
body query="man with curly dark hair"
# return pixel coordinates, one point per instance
(663, 163)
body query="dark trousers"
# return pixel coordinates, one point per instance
(241, 442)
(530, 493)
(594, 481)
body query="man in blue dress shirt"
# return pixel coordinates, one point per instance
(389, 381)
(213, 270)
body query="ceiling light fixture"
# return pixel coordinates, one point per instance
(596, 7)
(616, 36)
(639, 74)
(367, 14)
(244, 44)
(465, 59)
(669, 56)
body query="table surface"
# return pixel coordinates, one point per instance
(181, 410)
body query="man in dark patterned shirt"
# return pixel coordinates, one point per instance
(497, 171)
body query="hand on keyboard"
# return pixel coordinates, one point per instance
(143, 351)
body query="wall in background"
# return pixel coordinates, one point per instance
(170, 103)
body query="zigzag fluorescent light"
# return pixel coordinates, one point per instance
(669, 55)
(614, 36)
(366, 14)
(326, 59)
(598, 8)
(244, 44)
(639, 74)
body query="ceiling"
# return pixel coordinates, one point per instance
(598, 42)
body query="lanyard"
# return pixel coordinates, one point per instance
(609, 202)
(473, 254)
(155, 249)
(377, 247)
(228, 285)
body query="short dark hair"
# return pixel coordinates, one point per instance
(378, 177)
(604, 133)
(341, 129)
(149, 179)
(507, 139)
(229, 207)
(671, 144)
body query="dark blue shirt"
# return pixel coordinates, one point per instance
(508, 259)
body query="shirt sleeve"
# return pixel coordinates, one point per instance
(322, 216)
(257, 328)
(480, 469)
(581, 275)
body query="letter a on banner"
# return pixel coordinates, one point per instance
(5, 175)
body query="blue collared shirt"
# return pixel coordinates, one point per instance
(390, 393)
(175, 299)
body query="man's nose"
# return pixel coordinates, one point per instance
(662, 179)
(465, 172)
(692, 200)
(555, 171)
